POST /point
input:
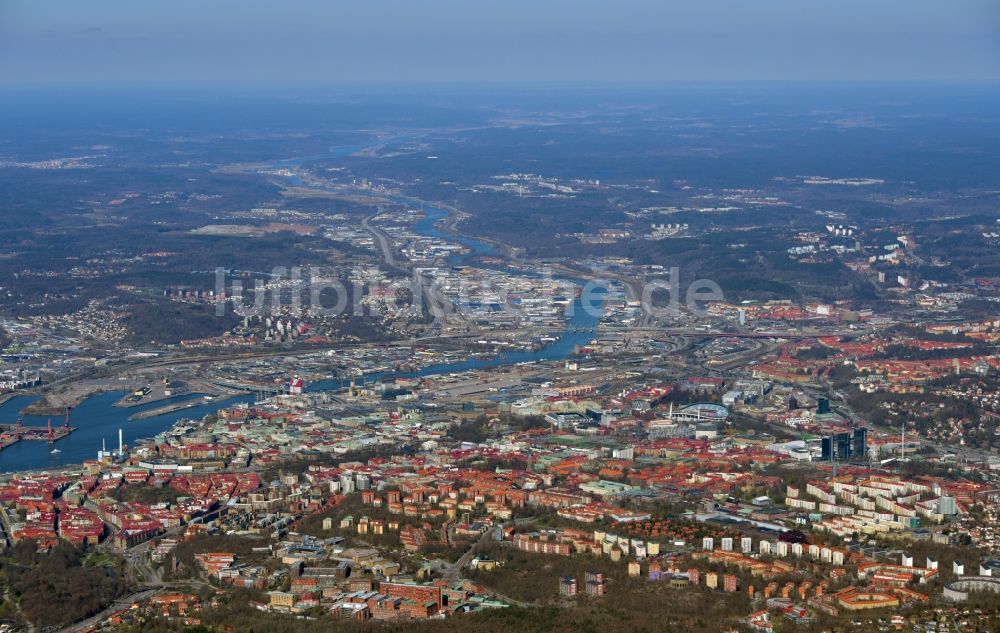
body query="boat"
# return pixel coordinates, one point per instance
(55, 450)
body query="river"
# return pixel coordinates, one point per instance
(97, 420)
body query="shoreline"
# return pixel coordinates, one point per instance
(172, 408)
(43, 407)
(447, 226)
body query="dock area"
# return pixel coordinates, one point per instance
(11, 434)
(170, 408)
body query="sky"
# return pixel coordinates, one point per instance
(323, 41)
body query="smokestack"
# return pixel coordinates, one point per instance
(121, 450)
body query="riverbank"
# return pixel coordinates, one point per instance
(99, 420)
(171, 408)
(56, 402)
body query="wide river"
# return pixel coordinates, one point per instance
(97, 420)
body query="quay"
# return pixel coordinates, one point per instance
(170, 408)
(13, 433)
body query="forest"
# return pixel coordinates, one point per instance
(63, 577)
(647, 608)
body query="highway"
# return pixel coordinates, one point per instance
(122, 603)
(151, 582)
(384, 244)
(435, 301)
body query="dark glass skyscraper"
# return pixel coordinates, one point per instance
(859, 449)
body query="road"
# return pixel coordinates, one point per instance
(963, 453)
(384, 244)
(454, 569)
(437, 303)
(122, 603)
(151, 578)
(221, 357)
(453, 572)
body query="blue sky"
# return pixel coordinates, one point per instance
(55, 41)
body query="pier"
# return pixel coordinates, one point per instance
(11, 434)
(169, 408)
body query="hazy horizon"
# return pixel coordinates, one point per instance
(387, 41)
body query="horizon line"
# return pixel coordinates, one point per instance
(409, 83)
